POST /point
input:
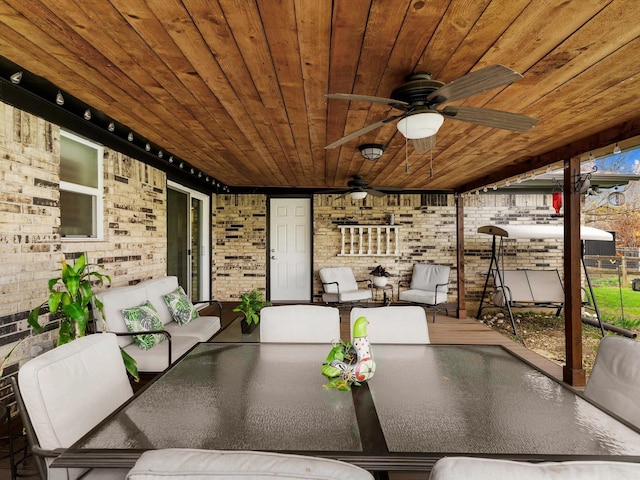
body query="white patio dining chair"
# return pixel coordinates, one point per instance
(187, 464)
(299, 324)
(64, 393)
(615, 379)
(474, 468)
(395, 324)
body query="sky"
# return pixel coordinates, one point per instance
(626, 162)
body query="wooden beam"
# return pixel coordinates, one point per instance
(573, 372)
(462, 308)
(522, 165)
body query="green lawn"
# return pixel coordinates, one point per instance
(607, 293)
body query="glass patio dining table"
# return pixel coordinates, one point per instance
(424, 402)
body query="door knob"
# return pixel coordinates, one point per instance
(273, 257)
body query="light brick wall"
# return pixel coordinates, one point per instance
(427, 234)
(240, 239)
(134, 245)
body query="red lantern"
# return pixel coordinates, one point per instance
(557, 201)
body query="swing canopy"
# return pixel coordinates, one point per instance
(542, 232)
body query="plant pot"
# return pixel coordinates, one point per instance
(380, 281)
(247, 327)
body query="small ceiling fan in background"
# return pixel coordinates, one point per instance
(420, 96)
(359, 189)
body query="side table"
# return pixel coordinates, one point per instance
(385, 300)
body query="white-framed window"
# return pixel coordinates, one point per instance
(81, 213)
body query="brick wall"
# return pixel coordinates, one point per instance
(240, 239)
(134, 246)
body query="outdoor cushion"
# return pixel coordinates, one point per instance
(88, 370)
(201, 328)
(180, 306)
(143, 318)
(456, 468)
(299, 324)
(114, 301)
(422, 296)
(156, 289)
(615, 380)
(426, 276)
(396, 324)
(156, 358)
(188, 464)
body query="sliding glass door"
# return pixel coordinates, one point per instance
(188, 240)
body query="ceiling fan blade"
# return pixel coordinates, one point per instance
(374, 192)
(399, 104)
(491, 118)
(423, 144)
(474, 82)
(363, 130)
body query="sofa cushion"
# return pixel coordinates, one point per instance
(114, 300)
(156, 289)
(180, 306)
(143, 318)
(240, 465)
(202, 328)
(342, 275)
(157, 358)
(427, 276)
(422, 296)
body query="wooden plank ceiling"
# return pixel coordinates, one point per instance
(236, 88)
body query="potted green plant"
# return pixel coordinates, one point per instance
(380, 275)
(70, 295)
(250, 305)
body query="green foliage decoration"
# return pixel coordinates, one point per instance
(70, 294)
(250, 305)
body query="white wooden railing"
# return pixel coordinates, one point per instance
(369, 240)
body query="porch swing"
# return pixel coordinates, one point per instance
(528, 288)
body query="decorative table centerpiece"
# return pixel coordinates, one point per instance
(350, 364)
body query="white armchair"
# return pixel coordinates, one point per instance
(299, 324)
(186, 464)
(340, 286)
(429, 286)
(395, 324)
(65, 392)
(615, 380)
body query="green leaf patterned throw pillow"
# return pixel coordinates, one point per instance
(181, 308)
(144, 318)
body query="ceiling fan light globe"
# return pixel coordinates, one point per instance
(358, 195)
(420, 125)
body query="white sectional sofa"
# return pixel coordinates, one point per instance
(179, 338)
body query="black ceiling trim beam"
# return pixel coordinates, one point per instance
(36, 96)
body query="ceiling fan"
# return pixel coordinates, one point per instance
(359, 189)
(420, 96)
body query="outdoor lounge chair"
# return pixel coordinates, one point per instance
(340, 286)
(429, 286)
(64, 393)
(615, 380)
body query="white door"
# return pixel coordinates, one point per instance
(290, 249)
